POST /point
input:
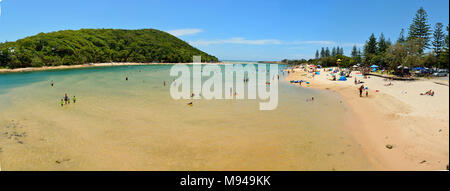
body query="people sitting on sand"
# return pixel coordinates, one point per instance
(429, 92)
(310, 99)
(389, 84)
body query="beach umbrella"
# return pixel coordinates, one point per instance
(374, 66)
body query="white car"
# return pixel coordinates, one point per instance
(440, 74)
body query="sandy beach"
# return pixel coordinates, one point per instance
(415, 127)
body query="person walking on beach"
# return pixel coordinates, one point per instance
(361, 90)
(62, 102)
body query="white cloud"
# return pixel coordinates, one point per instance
(0, 8)
(239, 40)
(236, 40)
(184, 32)
(314, 42)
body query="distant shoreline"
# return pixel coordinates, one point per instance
(62, 67)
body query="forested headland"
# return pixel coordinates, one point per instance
(74, 47)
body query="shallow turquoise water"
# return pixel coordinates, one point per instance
(136, 125)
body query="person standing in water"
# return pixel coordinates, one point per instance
(66, 98)
(52, 83)
(74, 99)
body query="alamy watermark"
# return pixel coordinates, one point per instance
(228, 84)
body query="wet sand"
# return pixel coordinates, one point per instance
(416, 126)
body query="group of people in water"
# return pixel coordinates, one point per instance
(65, 99)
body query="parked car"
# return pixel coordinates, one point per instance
(440, 74)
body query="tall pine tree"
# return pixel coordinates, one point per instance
(420, 30)
(401, 38)
(371, 45)
(354, 52)
(382, 44)
(317, 54)
(438, 39)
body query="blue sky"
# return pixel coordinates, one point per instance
(229, 29)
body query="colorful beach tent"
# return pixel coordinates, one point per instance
(374, 67)
(342, 78)
(419, 69)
